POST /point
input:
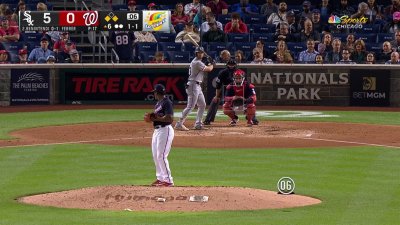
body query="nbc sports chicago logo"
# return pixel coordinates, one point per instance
(345, 22)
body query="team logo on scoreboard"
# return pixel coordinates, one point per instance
(156, 20)
(28, 18)
(91, 18)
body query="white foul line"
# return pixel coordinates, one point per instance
(72, 142)
(348, 142)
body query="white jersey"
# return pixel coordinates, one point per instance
(196, 72)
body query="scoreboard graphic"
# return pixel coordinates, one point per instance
(95, 21)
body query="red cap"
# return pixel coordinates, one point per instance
(3, 51)
(132, 2)
(151, 5)
(22, 51)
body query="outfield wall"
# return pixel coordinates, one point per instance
(318, 85)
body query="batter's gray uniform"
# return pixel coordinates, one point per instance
(194, 93)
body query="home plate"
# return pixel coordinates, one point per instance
(233, 133)
(308, 135)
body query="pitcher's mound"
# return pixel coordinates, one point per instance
(141, 198)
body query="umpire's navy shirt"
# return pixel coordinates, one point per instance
(162, 108)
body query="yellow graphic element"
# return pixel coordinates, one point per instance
(115, 18)
(155, 21)
(369, 83)
(107, 18)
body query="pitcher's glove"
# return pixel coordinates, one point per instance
(238, 101)
(149, 117)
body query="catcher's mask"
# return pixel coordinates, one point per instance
(238, 77)
(231, 64)
(159, 89)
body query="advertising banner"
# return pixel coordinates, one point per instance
(370, 88)
(29, 87)
(92, 85)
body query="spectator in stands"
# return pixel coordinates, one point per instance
(63, 53)
(349, 45)
(319, 59)
(9, 16)
(21, 7)
(280, 16)
(3, 8)
(306, 13)
(345, 57)
(4, 57)
(386, 52)
(123, 44)
(200, 17)
(260, 44)
(50, 59)
(326, 45)
(362, 13)
(334, 55)
(189, 30)
(283, 33)
(394, 7)
(131, 5)
(152, 6)
(41, 7)
(7, 32)
(240, 57)
(294, 26)
(393, 26)
(218, 7)
(318, 25)
(370, 58)
(236, 25)
(396, 42)
(359, 54)
(144, 36)
(394, 58)
(224, 56)
(309, 32)
(179, 16)
(244, 8)
(158, 58)
(60, 45)
(374, 11)
(258, 57)
(23, 56)
(325, 9)
(210, 18)
(74, 57)
(191, 9)
(268, 8)
(282, 54)
(344, 9)
(308, 55)
(214, 34)
(41, 52)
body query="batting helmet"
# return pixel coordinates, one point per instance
(199, 49)
(238, 77)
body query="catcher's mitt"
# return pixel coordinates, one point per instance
(149, 117)
(238, 101)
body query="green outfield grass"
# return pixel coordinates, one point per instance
(358, 185)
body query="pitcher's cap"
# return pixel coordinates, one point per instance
(159, 88)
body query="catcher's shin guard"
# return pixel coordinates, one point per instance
(212, 111)
(250, 113)
(229, 112)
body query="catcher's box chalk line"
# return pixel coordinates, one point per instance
(348, 142)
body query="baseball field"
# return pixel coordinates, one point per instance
(348, 159)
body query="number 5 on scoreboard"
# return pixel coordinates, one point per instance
(47, 18)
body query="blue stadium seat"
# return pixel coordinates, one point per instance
(255, 19)
(145, 57)
(224, 19)
(245, 46)
(190, 47)
(165, 37)
(120, 7)
(367, 38)
(263, 28)
(13, 56)
(270, 46)
(374, 47)
(295, 8)
(8, 1)
(342, 37)
(179, 56)
(29, 37)
(238, 37)
(296, 47)
(369, 29)
(219, 46)
(170, 46)
(31, 45)
(34, 1)
(385, 37)
(146, 46)
(168, 7)
(179, 27)
(141, 7)
(265, 37)
(12, 46)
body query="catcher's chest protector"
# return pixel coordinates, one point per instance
(239, 91)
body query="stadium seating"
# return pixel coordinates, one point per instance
(367, 38)
(232, 37)
(120, 7)
(179, 27)
(31, 45)
(146, 46)
(382, 37)
(32, 37)
(145, 57)
(224, 19)
(12, 46)
(265, 37)
(190, 47)
(263, 28)
(169, 46)
(178, 56)
(165, 37)
(255, 19)
(245, 47)
(219, 46)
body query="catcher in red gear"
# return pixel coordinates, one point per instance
(240, 97)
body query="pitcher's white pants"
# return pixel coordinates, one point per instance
(161, 146)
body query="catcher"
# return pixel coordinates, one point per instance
(163, 136)
(240, 98)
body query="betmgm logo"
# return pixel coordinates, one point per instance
(369, 84)
(369, 90)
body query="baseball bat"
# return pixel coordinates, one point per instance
(196, 44)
